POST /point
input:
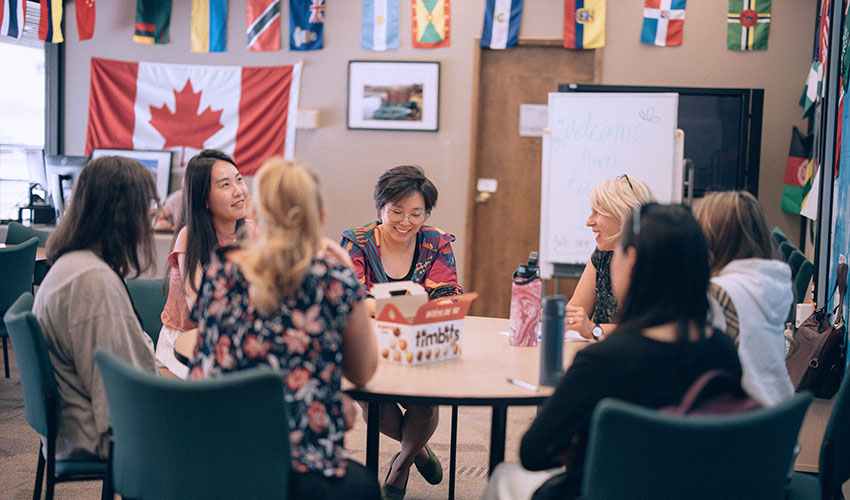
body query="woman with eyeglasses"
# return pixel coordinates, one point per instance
(660, 346)
(400, 247)
(592, 308)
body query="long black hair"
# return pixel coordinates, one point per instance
(196, 217)
(670, 277)
(110, 215)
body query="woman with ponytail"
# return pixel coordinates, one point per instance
(291, 300)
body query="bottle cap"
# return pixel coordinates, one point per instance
(554, 305)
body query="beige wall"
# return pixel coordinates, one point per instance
(349, 162)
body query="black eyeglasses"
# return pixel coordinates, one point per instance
(626, 176)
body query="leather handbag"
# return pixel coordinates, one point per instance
(816, 358)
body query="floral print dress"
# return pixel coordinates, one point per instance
(302, 339)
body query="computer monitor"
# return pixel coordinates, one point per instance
(62, 172)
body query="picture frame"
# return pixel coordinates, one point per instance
(394, 95)
(158, 162)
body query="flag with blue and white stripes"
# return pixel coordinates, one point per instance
(501, 23)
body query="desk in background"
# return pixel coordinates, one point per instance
(161, 247)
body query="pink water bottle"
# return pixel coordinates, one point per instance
(526, 294)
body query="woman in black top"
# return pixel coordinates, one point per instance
(659, 273)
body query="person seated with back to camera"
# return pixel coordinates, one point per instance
(83, 302)
(401, 247)
(213, 215)
(750, 290)
(291, 300)
(592, 308)
(660, 346)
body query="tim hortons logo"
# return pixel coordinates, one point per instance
(443, 335)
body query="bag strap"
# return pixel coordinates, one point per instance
(695, 391)
(841, 286)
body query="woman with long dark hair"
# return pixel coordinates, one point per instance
(214, 211)
(83, 304)
(661, 345)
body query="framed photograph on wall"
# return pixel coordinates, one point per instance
(158, 162)
(397, 95)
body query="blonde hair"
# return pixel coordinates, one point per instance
(735, 227)
(618, 196)
(289, 211)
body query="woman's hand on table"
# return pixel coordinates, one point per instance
(576, 318)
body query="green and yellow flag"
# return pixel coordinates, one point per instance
(748, 24)
(431, 23)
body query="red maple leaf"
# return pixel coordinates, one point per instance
(185, 127)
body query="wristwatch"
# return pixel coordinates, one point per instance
(597, 331)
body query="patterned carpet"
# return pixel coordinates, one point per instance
(19, 445)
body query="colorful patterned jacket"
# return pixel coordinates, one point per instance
(435, 267)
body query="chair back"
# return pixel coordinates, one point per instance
(19, 233)
(835, 449)
(802, 279)
(785, 250)
(174, 439)
(149, 300)
(778, 236)
(41, 401)
(16, 266)
(639, 453)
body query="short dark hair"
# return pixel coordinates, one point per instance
(109, 214)
(670, 278)
(398, 183)
(201, 239)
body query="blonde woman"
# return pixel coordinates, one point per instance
(592, 308)
(750, 290)
(292, 301)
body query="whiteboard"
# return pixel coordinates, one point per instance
(592, 137)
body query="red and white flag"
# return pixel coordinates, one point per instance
(247, 112)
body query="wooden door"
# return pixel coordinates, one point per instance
(504, 229)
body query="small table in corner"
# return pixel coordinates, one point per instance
(477, 378)
(40, 252)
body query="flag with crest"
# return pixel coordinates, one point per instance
(246, 112)
(663, 22)
(263, 18)
(306, 24)
(501, 23)
(584, 24)
(748, 24)
(431, 23)
(379, 26)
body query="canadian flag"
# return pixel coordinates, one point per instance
(249, 113)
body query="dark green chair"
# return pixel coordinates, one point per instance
(174, 439)
(778, 236)
(16, 267)
(785, 250)
(18, 233)
(802, 270)
(641, 454)
(834, 455)
(41, 402)
(149, 300)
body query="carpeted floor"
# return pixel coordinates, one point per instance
(19, 445)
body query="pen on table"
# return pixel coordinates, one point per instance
(524, 385)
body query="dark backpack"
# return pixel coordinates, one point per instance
(715, 392)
